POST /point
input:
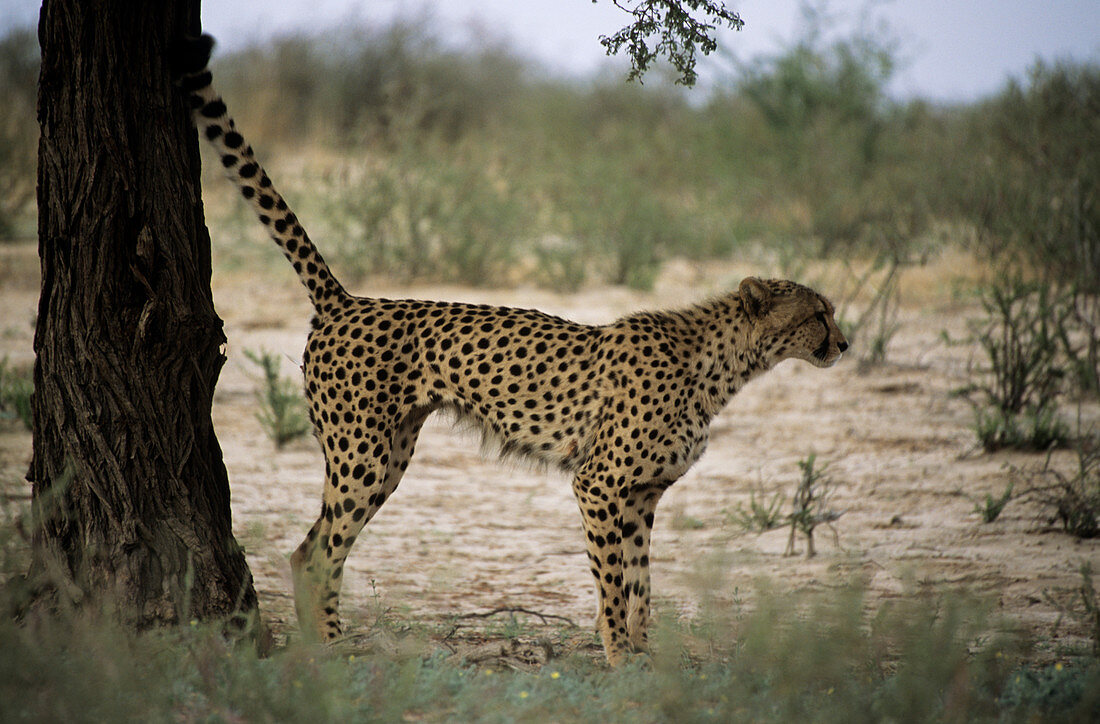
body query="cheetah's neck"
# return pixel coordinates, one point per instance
(726, 352)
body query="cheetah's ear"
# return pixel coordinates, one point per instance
(755, 296)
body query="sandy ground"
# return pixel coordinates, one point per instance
(465, 534)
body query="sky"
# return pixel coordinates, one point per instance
(952, 50)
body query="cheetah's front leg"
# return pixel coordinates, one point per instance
(598, 497)
(638, 510)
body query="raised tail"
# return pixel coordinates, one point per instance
(190, 59)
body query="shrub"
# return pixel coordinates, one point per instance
(1022, 379)
(1073, 499)
(429, 213)
(1037, 192)
(761, 516)
(991, 509)
(18, 130)
(282, 410)
(16, 389)
(809, 504)
(879, 316)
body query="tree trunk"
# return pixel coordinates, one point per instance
(130, 494)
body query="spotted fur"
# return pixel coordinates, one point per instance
(624, 407)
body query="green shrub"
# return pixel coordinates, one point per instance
(426, 213)
(1022, 378)
(761, 516)
(809, 507)
(16, 389)
(827, 657)
(1054, 692)
(1036, 193)
(282, 410)
(18, 130)
(1073, 499)
(991, 509)
(1035, 428)
(1080, 341)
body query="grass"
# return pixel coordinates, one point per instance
(282, 410)
(1072, 499)
(1037, 428)
(991, 508)
(794, 658)
(1022, 374)
(16, 388)
(809, 505)
(760, 516)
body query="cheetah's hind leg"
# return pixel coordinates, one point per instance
(357, 483)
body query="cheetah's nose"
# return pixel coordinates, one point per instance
(842, 346)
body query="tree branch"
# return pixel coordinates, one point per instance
(676, 29)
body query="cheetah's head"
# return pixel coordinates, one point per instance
(792, 321)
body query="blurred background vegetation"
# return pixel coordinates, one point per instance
(414, 160)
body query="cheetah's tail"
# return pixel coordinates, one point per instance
(190, 58)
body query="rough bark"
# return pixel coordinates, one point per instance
(130, 494)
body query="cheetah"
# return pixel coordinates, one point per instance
(624, 408)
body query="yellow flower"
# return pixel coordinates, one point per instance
(1058, 667)
(351, 658)
(555, 675)
(523, 695)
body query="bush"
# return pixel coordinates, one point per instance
(761, 515)
(1073, 499)
(1023, 378)
(16, 389)
(809, 505)
(991, 509)
(282, 409)
(1036, 192)
(18, 130)
(427, 214)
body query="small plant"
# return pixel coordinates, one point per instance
(282, 411)
(15, 394)
(1073, 498)
(809, 505)
(682, 521)
(1080, 340)
(1022, 382)
(991, 509)
(1090, 601)
(760, 516)
(879, 318)
(1034, 429)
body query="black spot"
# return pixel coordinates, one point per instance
(214, 109)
